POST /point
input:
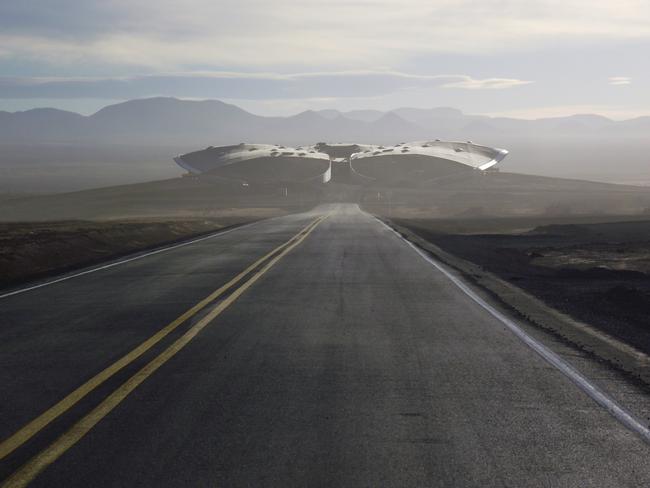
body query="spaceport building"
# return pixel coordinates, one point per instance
(406, 163)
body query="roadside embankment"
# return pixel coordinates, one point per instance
(35, 250)
(586, 282)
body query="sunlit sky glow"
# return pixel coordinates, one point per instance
(505, 57)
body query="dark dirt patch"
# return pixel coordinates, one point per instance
(30, 251)
(609, 290)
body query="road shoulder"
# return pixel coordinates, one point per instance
(583, 336)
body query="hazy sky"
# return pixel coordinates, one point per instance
(516, 57)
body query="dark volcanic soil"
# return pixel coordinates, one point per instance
(597, 273)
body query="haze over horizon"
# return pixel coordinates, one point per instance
(505, 58)
(362, 113)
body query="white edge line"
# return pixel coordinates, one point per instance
(128, 260)
(596, 394)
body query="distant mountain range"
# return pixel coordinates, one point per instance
(169, 121)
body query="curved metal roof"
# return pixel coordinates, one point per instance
(467, 153)
(212, 158)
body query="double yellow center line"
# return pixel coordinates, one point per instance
(50, 454)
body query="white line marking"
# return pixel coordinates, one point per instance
(600, 397)
(128, 260)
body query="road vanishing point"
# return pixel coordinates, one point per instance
(315, 349)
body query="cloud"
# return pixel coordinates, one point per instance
(476, 53)
(243, 85)
(252, 34)
(619, 80)
(469, 83)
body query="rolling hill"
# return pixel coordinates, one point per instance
(175, 121)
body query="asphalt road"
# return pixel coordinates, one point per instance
(344, 359)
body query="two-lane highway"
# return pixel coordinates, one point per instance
(328, 353)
